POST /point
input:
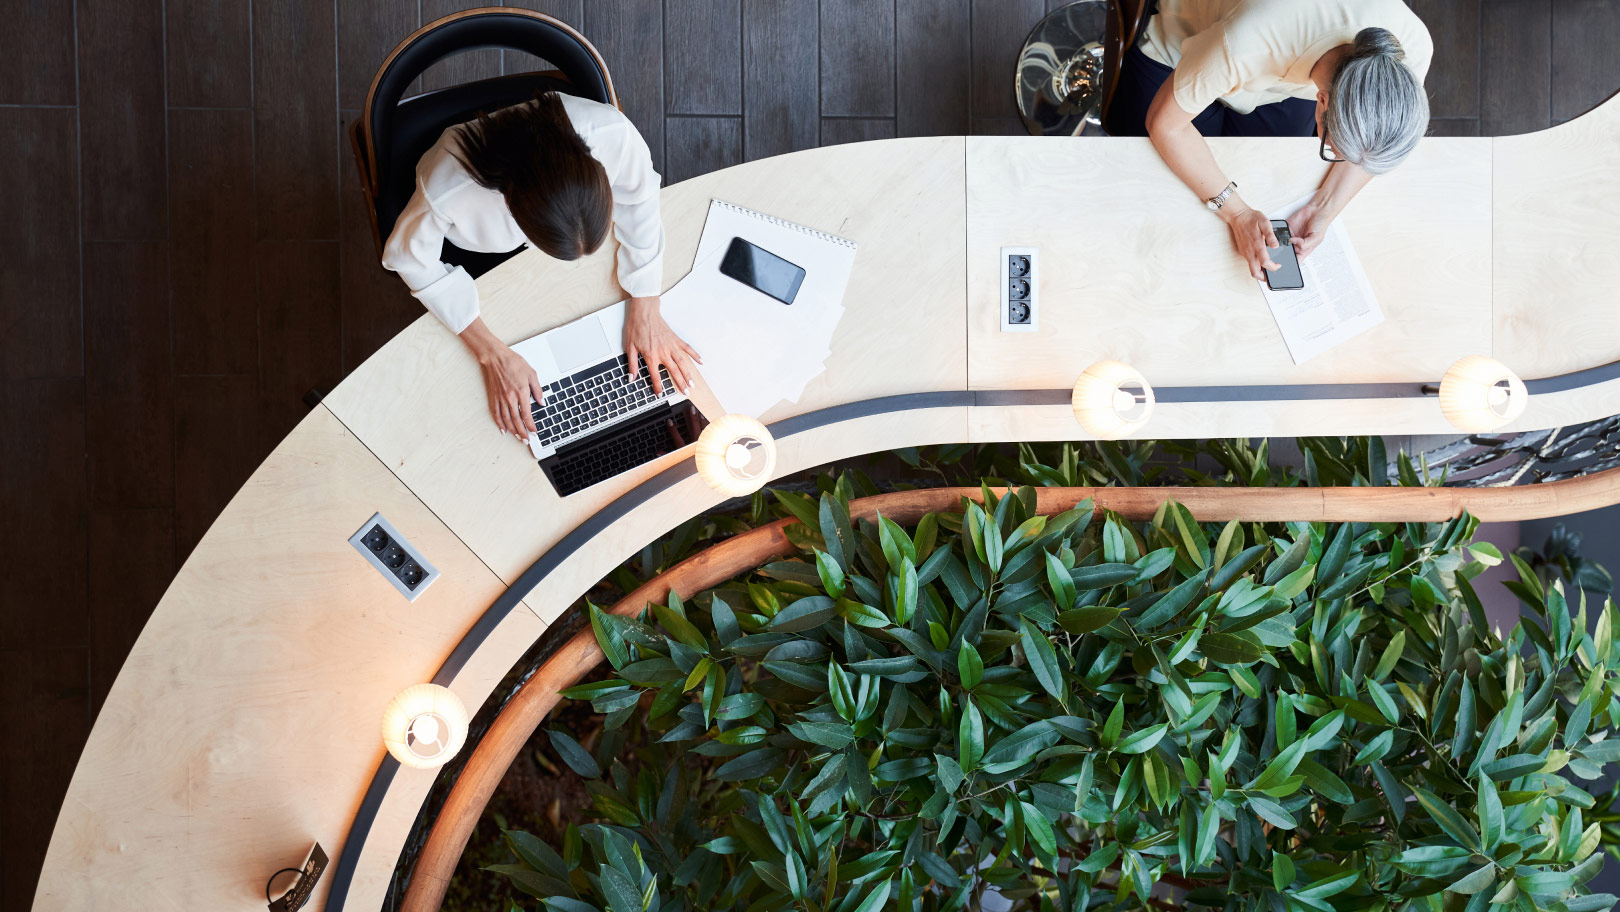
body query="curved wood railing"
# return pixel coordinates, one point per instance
(535, 700)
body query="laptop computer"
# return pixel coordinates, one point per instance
(596, 422)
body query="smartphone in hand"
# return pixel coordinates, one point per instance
(1286, 277)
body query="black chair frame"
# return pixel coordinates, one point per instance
(1125, 21)
(391, 135)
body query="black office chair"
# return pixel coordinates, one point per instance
(391, 135)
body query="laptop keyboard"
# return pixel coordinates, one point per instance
(593, 396)
(621, 448)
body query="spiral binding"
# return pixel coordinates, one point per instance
(821, 235)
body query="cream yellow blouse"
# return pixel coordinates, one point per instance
(1247, 53)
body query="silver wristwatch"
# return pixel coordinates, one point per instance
(1218, 200)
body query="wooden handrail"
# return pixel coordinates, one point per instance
(533, 701)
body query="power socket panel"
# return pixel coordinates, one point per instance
(393, 556)
(1020, 278)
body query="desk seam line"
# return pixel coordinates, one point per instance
(434, 513)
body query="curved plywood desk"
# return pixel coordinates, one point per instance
(244, 724)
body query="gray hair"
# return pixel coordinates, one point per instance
(1377, 110)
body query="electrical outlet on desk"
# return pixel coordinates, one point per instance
(1020, 275)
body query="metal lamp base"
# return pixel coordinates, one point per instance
(1060, 72)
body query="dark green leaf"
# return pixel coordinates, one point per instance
(804, 614)
(577, 758)
(1230, 649)
(1453, 823)
(832, 735)
(751, 765)
(1042, 659)
(1142, 741)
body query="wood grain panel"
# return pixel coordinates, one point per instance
(121, 101)
(294, 115)
(259, 679)
(629, 34)
(376, 303)
(1515, 89)
(130, 434)
(1554, 264)
(857, 58)
(933, 52)
(36, 54)
(836, 130)
(39, 275)
(468, 66)
(1186, 291)
(46, 719)
(703, 57)
(215, 315)
(569, 11)
(999, 29)
(218, 438)
(300, 325)
(471, 66)
(210, 52)
(455, 460)
(1585, 34)
(43, 500)
(1002, 125)
(698, 145)
(1454, 126)
(779, 76)
(367, 31)
(1453, 79)
(131, 562)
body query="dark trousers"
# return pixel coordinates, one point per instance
(474, 262)
(1140, 77)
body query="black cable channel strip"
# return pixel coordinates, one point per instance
(343, 874)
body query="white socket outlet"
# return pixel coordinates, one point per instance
(1020, 274)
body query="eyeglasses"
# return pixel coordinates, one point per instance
(1323, 151)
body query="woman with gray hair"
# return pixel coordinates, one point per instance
(1349, 71)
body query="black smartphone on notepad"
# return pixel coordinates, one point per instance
(1286, 277)
(762, 270)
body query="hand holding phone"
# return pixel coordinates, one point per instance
(1287, 276)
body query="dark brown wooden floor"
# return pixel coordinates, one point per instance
(184, 252)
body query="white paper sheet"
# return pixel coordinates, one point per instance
(1337, 302)
(756, 350)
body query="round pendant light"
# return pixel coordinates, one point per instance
(1480, 394)
(1112, 400)
(736, 455)
(424, 725)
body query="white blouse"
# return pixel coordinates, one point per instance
(449, 205)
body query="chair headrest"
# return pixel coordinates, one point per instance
(513, 29)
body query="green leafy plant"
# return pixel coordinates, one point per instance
(1079, 712)
(1560, 557)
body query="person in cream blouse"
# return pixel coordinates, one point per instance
(555, 172)
(1348, 71)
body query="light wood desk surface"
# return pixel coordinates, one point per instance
(245, 723)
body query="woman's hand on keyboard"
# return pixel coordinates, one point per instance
(508, 379)
(646, 334)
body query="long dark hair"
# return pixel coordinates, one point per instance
(558, 194)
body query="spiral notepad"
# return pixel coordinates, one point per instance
(780, 223)
(757, 351)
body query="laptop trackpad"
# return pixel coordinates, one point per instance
(579, 344)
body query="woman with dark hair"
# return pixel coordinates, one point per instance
(556, 172)
(1348, 71)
